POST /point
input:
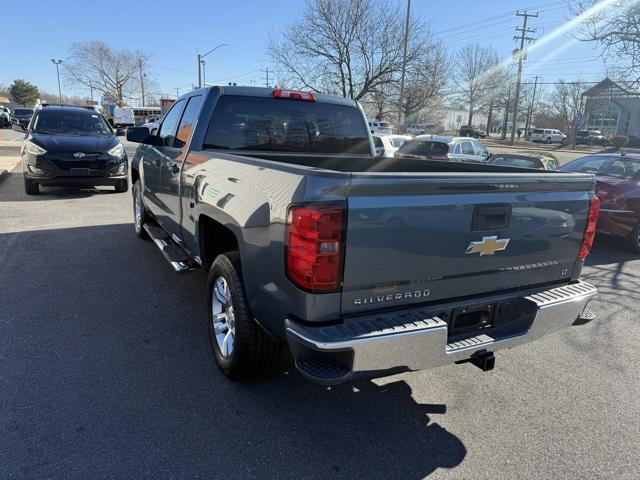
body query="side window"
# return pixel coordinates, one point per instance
(457, 149)
(187, 121)
(467, 148)
(479, 149)
(377, 142)
(170, 124)
(553, 165)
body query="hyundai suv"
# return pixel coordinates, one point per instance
(67, 145)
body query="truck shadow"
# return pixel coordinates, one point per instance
(121, 380)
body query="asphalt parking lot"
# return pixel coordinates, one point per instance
(106, 372)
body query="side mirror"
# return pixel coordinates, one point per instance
(18, 128)
(141, 135)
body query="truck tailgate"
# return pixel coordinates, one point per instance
(414, 238)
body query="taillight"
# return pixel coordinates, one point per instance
(314, 247)
(590, 230)
(294, 95)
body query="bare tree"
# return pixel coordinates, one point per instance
(493, 93)
(473, 64)
(348, 47)
(616, 29)
(426, 80)
(566, 101)
(93, 64)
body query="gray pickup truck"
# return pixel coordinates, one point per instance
(363, 266)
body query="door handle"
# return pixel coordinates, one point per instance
(174, 168)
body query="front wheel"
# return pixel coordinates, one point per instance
(122, 186)
(634, 240)
(31, 187)
(548, 141)
(242, 349)
(140, 216)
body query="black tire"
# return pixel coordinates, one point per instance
(122, 186)
(634, 240)
(139, 221)
(31, 187)
(548, 140)
(254, 353)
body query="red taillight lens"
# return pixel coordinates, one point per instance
(294, 95)
(314, 247)
(590, 231)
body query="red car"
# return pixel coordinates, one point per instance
(618, 187)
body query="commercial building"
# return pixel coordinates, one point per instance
(612, 108)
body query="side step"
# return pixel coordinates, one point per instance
(172, 252)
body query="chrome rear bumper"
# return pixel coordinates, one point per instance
(414, 340)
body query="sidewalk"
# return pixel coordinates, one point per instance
(7, 164)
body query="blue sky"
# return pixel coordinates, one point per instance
(44, 29)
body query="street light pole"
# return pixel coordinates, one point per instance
(57, 63)
(201, 62)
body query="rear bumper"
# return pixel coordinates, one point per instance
(389, 343)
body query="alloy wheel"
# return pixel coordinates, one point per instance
(223, 317)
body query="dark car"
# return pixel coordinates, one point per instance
(618, 188)
(524, 160)
(22, 116)
(590, 137)
(470, 131)
(66, 145)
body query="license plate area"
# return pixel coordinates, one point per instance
(80, 172)
(471, 319)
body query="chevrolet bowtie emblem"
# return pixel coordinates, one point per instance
(488, 246)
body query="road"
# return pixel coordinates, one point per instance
(106, 372)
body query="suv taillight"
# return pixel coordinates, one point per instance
(590, 230)
(314, 246)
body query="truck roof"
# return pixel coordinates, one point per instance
(268, 92)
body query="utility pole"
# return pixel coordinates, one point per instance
(204, 72)
(177, 94)
(533, 102)
(91, 88)
(141, 80)
(404, 65)
(57, 63)
(521, 53)
(199, 71)
(266, 72)
(201, 62)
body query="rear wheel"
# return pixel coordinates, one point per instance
(140, 216)
(242, 349)
(548, 140)
(31, 187)
(634, 240)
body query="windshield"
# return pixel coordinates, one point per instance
(71, 123)
(418, 147)
(605, 166)
(267, 124)
(23, 111)
(507, 161)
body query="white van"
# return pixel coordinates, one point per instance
(547, 135)
(379, 127)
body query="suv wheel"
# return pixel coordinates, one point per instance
(140, 216)
(548, 140)
(31, 187)
(242, 349)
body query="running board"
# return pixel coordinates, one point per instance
(172, 252)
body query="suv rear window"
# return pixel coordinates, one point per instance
(278, 125)
(424, 148)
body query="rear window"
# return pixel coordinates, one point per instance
(418, 147)
(538, 131)
(605, 166)
(275, 125)
(506, 161)
(377, 142)
(23, 111)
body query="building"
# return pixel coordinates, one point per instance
(613, 109)
(449, 119)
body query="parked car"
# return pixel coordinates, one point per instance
(364, 266)
(444, 148)
(590, 137)
(524, 160)
(618, 187)
(5, 117)
(419, 128)
(470, 131)
(381, 128)
(21, 116)
(547, 135)
(72, 146)
(387, 145)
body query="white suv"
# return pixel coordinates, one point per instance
(547, 135)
